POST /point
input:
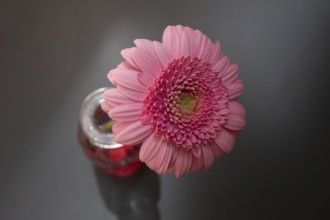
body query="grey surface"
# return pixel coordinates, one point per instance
(53, 53)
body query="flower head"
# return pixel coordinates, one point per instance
(178, 98)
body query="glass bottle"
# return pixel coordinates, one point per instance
(96, 138)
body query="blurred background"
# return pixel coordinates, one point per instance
(53, 53)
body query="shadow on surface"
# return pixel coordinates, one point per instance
(135, 197)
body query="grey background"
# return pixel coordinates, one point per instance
(53, 53)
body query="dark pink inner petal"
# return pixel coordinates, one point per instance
(187, 104)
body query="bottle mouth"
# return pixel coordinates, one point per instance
(95, 123)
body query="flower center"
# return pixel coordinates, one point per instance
(188, 102)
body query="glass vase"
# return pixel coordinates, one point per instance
(96, 138)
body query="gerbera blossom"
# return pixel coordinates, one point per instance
(178, 98)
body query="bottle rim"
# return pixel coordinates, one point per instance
(90, 128)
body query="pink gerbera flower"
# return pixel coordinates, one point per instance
(178, 98)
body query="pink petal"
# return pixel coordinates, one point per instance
(125, 66)
(105, 106)
(126, 112)
(184, 41)
(146, 79)
(150, 147)
(182, 163)
(236, 108)
(146, 62)
(171, 38)
(118, 126)
(146, 45)
(221, 65)
(198, 36)
(216, 52)
(113, 97)
(163, 54)
(156, 162)
(152, 48)
(127, 55)
(235, 122)
(126, 78)
(216, 149)
(184, 48)
(206, 48)
(236, 117)
(208, 156)
(131, 133)
(167, 159)
(160, 162)
(192, 38)
(196, 151)
(197, 164)
(235, 88)
(111, 79)
(231, 74)
(135, 95)
(175, 153)
(167, 37)
(225, 140)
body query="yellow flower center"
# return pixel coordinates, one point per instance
(188, 102)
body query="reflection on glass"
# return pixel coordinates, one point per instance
(131, 198)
